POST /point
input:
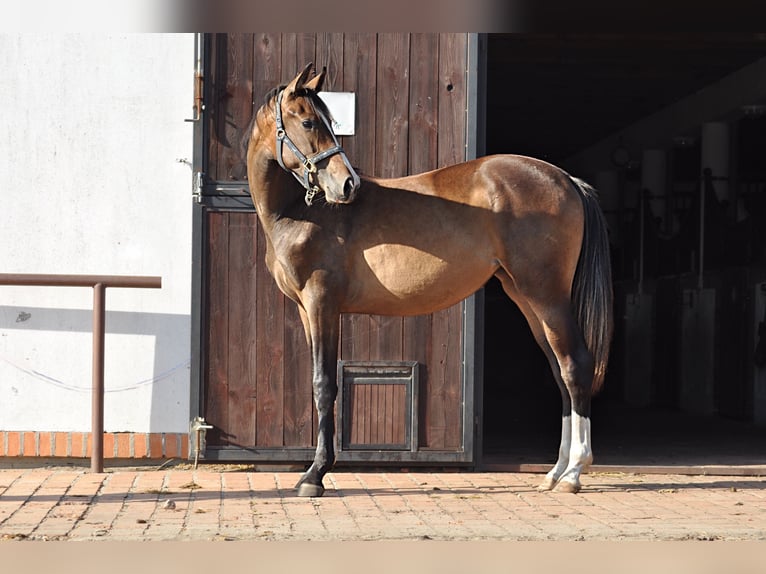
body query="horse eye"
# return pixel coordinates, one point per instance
(308, 124)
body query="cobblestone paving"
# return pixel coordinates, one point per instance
(204, 504)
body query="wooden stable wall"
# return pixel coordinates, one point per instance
(411, 92)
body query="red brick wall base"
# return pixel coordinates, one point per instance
(123, 445)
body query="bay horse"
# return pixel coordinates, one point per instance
(338, 243)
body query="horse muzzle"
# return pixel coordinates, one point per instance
(339, 189)
(350, 187)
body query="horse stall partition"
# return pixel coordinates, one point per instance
(253, 378)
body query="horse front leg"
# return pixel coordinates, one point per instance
(323, 327)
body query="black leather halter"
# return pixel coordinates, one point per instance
(309, 163)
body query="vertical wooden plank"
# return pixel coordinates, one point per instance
(452, 98)
(360, 413)
(242, 364)
(355, 338)
(390, 409)
(375, 414)
(443, 414)
(306, 51)
(392, 113)
(289, 58)
(382, 414)
(329, 54)
(370, 419)
(386, 334)
(298, 393)
(385, 410)
(404, 417)
(267, 66)
(359, 76)
(349, 431)
(395, 414)
(379, 414)
(369, 415)
(235, 108)
(406, 438)
(358, 410)
(399, 409)
(424, 103)
(270, 347)
(369, 401)
(216, 383)
(454, 392)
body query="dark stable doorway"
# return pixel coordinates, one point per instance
(537, 105)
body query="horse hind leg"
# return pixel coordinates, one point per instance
(562, 462)
(576, 366)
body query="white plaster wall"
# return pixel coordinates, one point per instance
(91, 131)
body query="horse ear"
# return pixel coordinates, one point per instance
(300, 80)
(315, 84)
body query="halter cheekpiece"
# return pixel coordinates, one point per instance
(309, 163)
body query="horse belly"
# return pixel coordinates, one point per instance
(404, 280)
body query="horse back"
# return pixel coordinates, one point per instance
(502, 182)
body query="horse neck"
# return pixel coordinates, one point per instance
(272, 189)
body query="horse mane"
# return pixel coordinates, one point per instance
(271, 94)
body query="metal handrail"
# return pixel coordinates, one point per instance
(99, 283)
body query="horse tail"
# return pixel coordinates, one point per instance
(592, 287)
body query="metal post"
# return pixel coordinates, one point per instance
(97, 398)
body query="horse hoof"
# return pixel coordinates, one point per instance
(307, 490)
(566, 486)
(546, 485)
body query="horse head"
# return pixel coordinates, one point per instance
(303, 125)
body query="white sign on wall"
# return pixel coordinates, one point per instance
(342, 106)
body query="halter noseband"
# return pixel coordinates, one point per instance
(309, 163)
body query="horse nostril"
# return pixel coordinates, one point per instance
(348, 187)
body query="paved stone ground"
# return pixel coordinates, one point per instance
(213, 504)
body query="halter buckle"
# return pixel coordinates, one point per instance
(310, 195)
